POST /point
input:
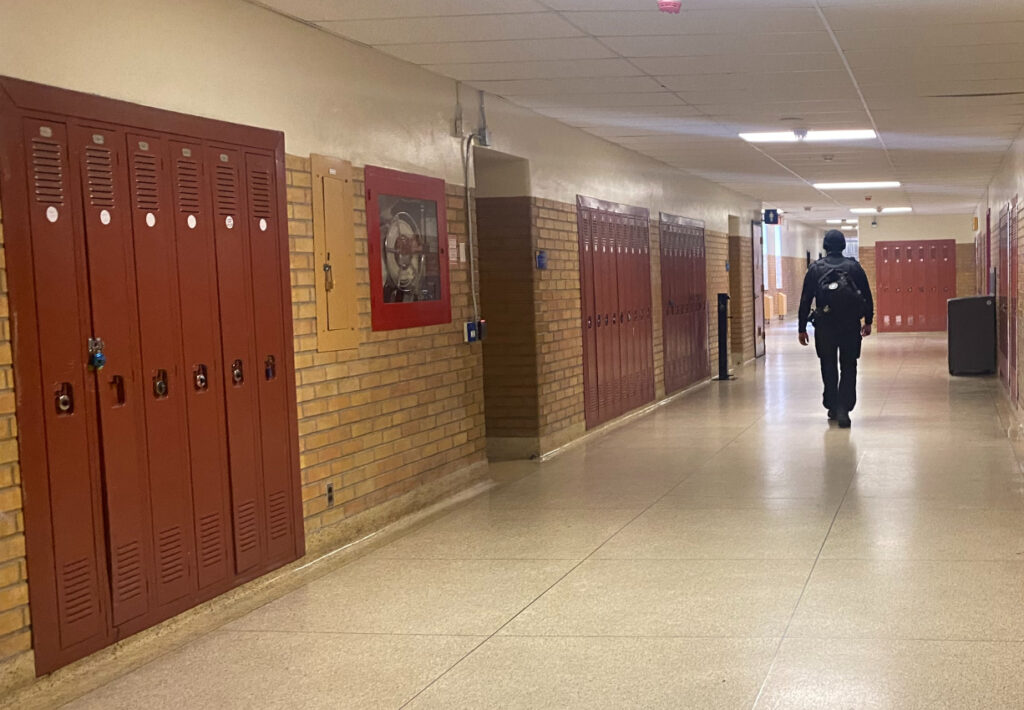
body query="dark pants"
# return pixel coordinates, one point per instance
(838, 351)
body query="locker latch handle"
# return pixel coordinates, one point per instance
(590, 321)
(200, 378)
(236, 372)
(270, 367)
(160, 384)
(64, 399)
(117, 381)
(328, 277)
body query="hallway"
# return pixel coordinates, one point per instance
(729, 551)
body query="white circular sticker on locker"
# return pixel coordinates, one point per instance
(150, 219)
(229, 222)
(263, 225)
(51, 213)
(192, 222)
(105, 216)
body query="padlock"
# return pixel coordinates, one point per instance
(236, 372)
(96, 361)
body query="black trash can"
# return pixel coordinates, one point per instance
(972, 335)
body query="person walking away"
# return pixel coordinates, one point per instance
(841, 294)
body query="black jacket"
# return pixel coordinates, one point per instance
(818, 269)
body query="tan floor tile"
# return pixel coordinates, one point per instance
(284, 670)
(779, 529)
(911, 599)
(747, 598)
(485, 531)
(377, 595)
(877, 528)
(882, 675)
(611, 673)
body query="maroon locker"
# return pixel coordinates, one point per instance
(684, 287)
(69, 590)
(645, 304)
(622, 238)
(266, 236)
(589, 318)
(947, 278)
(99, 155)
(240, 368)
(918, 287)
(883, 296)
(1003, 297)
(1011, 323)
(935, 318)
(201, 342)
(610, 294)
(156, 269)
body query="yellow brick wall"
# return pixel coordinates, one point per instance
(403, 409)
(716, 246)
(557, 314)
(15, 634)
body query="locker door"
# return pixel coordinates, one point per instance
(645, 307)
(613, 369)
(99, 155)
(669, 294)
(883, 254)
(625, 276)
(899, 277)
(1003, 297)
(267, 236)
(1011, 321)
(699, 332)
(240, 368)
(947, 278)
(69, 589)
(920, 286)
(156, 268)
(203, 367)
(602, 321)
(934, 319)
(588, 326)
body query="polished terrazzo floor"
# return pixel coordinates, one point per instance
(732, 550)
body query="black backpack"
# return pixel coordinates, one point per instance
(838, 298)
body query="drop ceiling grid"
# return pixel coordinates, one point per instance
(679, 89)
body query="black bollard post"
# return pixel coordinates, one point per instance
(723, 337)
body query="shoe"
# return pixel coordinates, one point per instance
(831, 415)
(844, 419)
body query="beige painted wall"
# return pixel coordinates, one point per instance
(235, 61)
(894, 228)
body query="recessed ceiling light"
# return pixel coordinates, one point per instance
(877, 185)
(808, 136)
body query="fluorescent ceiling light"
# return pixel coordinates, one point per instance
(808, 136)
(851, 221)
(884, 210)
(877, 185)
(834, 221)
(849, 226)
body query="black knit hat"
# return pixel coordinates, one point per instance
(835, 241)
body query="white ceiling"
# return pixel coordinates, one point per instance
(680, 87)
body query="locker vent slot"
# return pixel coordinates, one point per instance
(188, 187)
(172, 555)
(76, 591)
(99, 167)
(144, 175)
(48, 172)
(227, 191)
(211, 552)
(128, 582)
(248, 537)
(279, 517)
(259, 187)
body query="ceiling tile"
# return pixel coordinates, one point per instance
(605, 85)
(317, 10)
(724, 44)
(695, 22)
(501, 50)
(558, 69)
(382, 33)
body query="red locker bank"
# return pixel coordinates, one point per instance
(615, 294)
(151, 311)
(684, 296)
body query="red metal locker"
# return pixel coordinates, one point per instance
(883, 297)
(934, 303)
(156, 270)
(588, 324)
(201, 342)
(917, 285)
(1003, 296)
(99, 155)
(268, 234)
(1011, 322)
(947, 277)
(645, 307)
(56, 395)
(624, 274)
(240, 364)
